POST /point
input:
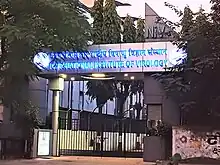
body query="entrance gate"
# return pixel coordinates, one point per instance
(101, 135)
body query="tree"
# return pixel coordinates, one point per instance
(26, 116)
(129, 30)
(137, 88)
(97, 89)
(123, 89)
(198, 70)
(101, 91)
(215, 16)
(215, 10)
(97, 26)
(187, 23)
(140, 30)
(26, 28)
(194, 84)
(107, 29)
(111, 23)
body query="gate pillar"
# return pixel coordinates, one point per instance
(55, 85)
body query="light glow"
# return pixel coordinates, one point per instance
(132, 78)
(98, 78)
(72, 79)
(63, 76)
(98, 75)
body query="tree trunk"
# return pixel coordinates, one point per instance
(120, 122)
(130, 106)
(138, 109)
(138, 143)
(99, 141)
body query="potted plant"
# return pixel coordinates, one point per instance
(154, 142)
(157, 128)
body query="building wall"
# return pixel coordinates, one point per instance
(195, 142)
(8, 128)
(73, 97)
(155, 29)
(76, 98)
(154, 94)
(38, 96)
(41, 97)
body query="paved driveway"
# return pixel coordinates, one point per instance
(76, 161)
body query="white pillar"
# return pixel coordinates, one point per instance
(55, 122)
(56, 85)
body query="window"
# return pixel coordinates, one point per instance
(154, 111)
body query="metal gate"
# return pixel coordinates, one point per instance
(12, 148)
(101, 136)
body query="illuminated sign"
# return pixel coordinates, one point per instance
(134, 57)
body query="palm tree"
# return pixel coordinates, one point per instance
(101, 91)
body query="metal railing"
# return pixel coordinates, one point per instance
(102, 138)
(12, 148)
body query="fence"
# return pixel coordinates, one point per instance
(109, 138)
(12, 148)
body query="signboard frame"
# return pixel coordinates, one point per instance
(48, 142)
(112, 58)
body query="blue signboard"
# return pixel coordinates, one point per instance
(132, 58)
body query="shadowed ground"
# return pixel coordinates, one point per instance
(75, 161)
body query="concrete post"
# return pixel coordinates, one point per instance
(55, 122)
(56, 85)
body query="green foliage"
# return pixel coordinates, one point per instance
(123, 89)
(178, 12)
(26, 118)
(176, 158)
(28, 27)
(111, 23)
(140, 30)
(105, 90)
(157, 128)
(97, 26)
(106, 29)
(215, 10)
(101, 91)
(186, 23)
(25, 115)
(129, 30)
(194, 84)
